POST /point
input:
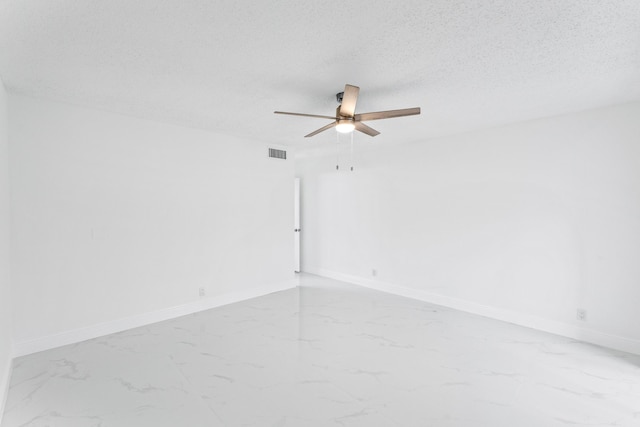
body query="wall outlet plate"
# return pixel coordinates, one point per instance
(201, 292)
(374, 272)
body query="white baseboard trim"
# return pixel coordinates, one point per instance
(35, 345)
(552, 326)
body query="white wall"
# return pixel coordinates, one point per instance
(526, 222)
(6, 341)
(115, 217)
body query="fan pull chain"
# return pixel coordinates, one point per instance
(351, 151)
(337, 151)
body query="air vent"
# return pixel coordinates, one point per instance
(277, 154)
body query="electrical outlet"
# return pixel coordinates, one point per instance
(374, 272)
(201, 292)
(581, 314)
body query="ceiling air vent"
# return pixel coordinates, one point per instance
(277, 154)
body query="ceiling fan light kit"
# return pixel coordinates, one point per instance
(345, 126)
(346, 120)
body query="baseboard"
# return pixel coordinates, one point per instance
(5, 381)
(552, 326)
(26, 347)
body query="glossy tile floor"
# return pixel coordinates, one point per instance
(327, 354)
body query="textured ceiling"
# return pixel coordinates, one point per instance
(227, 65)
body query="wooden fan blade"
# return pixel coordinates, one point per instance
(349, 99)
(322, 129)
(306, 115)
(387, 114)
(366, 129)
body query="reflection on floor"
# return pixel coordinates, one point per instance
(327, 354)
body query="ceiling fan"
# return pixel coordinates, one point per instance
(346, 119)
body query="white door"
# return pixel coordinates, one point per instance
(296, 225)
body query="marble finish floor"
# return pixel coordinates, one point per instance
(327, 354)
